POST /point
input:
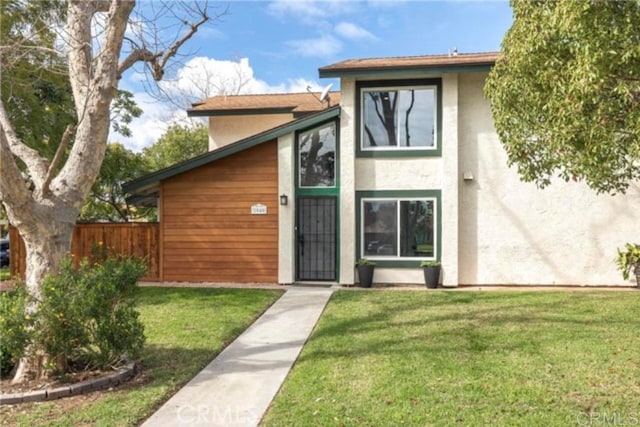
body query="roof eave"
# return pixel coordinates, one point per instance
(239, 112)
(399, 71)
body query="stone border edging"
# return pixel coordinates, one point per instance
(100, 383)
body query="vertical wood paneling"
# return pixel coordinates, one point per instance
(132, 239)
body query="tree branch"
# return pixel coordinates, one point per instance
(158, 61)
(36, 164)
(64, 142)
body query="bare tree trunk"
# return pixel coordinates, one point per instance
(45, 250)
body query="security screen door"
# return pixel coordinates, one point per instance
(316, 238)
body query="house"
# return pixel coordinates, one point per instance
(402, 165)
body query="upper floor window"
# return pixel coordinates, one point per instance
(399, 116)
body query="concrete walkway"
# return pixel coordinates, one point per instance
(236, 388)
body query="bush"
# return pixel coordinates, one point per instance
(86, 316)
(14, 327)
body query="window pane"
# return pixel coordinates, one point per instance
(416, 228)
(316, 156)
(398, 118)
(380, 234)
(416, 117)
(380, 119)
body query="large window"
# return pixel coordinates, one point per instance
(316, 156)
(399, 117)
(398, 228)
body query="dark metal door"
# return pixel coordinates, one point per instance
(316, 238)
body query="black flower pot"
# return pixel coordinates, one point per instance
(365, 275)
(431, 276)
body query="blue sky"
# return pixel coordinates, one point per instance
(278, 46)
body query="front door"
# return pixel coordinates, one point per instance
(317, 203)
(316, 238)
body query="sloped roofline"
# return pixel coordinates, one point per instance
(406, 65)
(149, 181)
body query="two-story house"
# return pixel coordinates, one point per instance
(403, 164)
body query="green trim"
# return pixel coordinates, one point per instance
(405, 71)
(320, 191)
(399, 152)
(239, 112)
(155, 177)
(399, 194)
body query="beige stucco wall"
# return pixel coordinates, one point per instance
(513, 233)
(286, 217)
(409, 173)
(347, 183)
(224, 130)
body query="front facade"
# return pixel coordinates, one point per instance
(408, 167)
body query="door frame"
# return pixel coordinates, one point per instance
(318, 192)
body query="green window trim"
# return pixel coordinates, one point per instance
(318, 190)
(399, 152)
(435, 195)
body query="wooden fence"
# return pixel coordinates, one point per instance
(133, 239)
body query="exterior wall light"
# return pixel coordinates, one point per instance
(284, 200)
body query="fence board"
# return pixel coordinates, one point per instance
(133, 239)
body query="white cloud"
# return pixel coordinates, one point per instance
(310, 11)
(323, 46)
(197, 79)
(349, 30)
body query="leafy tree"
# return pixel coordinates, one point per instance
(42, 195)
(565, 94)
(107, 201)
(178, 143)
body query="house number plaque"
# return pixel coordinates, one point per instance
(258, 209)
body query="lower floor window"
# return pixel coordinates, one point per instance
(398, 228)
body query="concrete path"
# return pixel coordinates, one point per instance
(236, 388)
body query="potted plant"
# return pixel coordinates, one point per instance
(431, 273)
(365, 272)
(629, 261)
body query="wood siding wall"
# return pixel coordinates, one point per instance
(132, 239)
(208, 231)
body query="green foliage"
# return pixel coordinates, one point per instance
(86, 315)
(14, 324)
(123, 111)
(107, 200)
(628, 260)
(35, 84)
(565, 93)
(179, 143)
(430, 264)
(365, 261)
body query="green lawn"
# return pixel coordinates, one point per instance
(5, 273)
(185, 328)
(468, 358)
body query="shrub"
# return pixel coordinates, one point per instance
(14, 326)
(86, 316)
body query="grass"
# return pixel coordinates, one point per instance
(469, 359)
(5, 273)
(185, 328)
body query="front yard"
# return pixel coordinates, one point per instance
(185, 328)
(468, 358)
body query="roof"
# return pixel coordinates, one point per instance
(142, 187)
(438, 63)
(296, 103)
